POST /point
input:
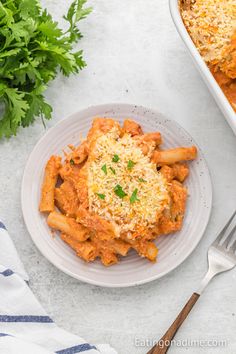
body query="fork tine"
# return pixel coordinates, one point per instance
(229, 237)
(221, 234)
(233, 247)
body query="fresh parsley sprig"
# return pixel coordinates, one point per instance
(115, 158)
(101, 196)
(134, 196)
(142, 180)
(104, 169)
(119, 191)
(130, 165)
(32, 50)
(112, 170)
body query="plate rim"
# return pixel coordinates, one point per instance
(45, 253)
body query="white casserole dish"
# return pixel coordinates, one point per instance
(213, 86)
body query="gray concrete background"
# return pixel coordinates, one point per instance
(134, 55)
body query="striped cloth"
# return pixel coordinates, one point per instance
(25, 328)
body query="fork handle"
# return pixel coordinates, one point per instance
(164, 343)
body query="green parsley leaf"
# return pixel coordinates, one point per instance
(72, 162)
(101, 196)
(119, 191)
(37, 107)
(130, 164)
(76, 13)
(29, 8)
(15, 109)
(104, 168)
(33, 50)
(112, 170)
(141, 180)
(115, 158)
(134, 197)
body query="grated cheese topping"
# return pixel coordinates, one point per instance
(211, 24)
(145, 188)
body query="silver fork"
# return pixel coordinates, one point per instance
(221, 257)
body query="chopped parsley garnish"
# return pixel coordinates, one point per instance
(104, 168)
(141, 180)
(112, 170)
(130, 164)
(134, 197)
(115, 158)
(72, 162)
(119, 191)
(101, 196)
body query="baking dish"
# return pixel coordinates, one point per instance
(213, 86)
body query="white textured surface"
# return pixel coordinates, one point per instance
(134, 55)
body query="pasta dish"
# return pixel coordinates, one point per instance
(212, 27)
(116, 191)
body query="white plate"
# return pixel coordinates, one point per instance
(213, 86)
(132, 270)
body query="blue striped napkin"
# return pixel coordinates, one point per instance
(25, 328)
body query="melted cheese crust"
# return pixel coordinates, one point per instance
(151, 186)
(211, 24)
(212, 27)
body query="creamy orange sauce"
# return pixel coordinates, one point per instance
(98, 221)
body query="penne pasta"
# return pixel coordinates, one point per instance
(99, 127)
(108, 258)
(171, 156)
(148, 142)
(181, 171)
(68, 226)
(49, 183)
(131, 127)
(172, 219)
(146, 249)
(118, 191)
(79, 154)
(66, 199)
(167, 172)
(86, 250)
(152, 138)
(95, 222)
(120, 247)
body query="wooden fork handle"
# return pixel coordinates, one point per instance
(164, 343)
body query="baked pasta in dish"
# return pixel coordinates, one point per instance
(212, 27)
(116, 191)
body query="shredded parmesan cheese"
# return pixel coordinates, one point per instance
(139, 178)
(211, 24)
(212, 27)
